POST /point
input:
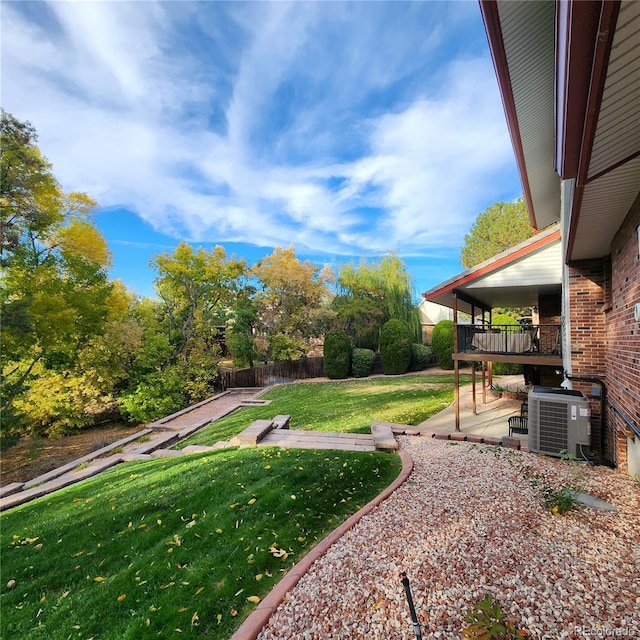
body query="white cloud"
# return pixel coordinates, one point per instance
(312, 134)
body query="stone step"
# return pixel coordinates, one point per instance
(383, 436)
(198, 448)
(281, 422)
(167, 453)
(253, 433)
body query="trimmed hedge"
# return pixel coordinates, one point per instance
(420, 357)
(442, 343)
(362, 362)
(337, 354)
(395, 347)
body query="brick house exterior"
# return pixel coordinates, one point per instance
(572, 105)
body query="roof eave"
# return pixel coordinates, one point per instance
(493, 28)
(525, 248)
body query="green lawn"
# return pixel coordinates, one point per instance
(174, 548)
(345, 406)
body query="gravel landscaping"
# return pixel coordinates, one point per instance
(468, 523)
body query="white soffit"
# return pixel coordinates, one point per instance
(613, 179)
(605, 204)
(529, 40)
(618, 130)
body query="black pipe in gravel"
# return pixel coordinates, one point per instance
(412, 609)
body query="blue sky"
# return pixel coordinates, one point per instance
(349, 129)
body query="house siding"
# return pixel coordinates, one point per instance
(623, 338)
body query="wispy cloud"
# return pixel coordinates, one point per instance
(348, 128)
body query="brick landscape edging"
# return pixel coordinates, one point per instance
(259, 617)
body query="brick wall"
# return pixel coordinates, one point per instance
(588, 289)
(623, 334)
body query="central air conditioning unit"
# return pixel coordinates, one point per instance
(559, 420)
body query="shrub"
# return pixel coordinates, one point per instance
(362, 362)
(395, 347)
(442, 343)
(337, 354)
(505, 368)
(284, 348)
(486, 620)
(160, 394)
(420, 357)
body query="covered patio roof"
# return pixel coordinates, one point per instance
(514, 278)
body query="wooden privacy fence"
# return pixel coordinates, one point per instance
(271, 373)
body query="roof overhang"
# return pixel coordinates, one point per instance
(513, 278)
(569, 76)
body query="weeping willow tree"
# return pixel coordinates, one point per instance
(372, 292)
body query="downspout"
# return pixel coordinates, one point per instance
(603, 415)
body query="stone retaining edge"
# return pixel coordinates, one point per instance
(70, 466)
(259, 617)
(505, 441)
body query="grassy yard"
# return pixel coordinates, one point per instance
(174, 548)
(347, 406)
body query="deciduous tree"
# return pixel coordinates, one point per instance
(370, 294)
(293, 299)
(54, 293)
(196, 287)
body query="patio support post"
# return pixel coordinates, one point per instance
(484, 382)
(473, 386)
(456, 363)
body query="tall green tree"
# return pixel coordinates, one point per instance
(370, 294)
(242, 323)
(293, 299)
(177, 363)
(54, 294)
(499, 227)
(196, 288)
